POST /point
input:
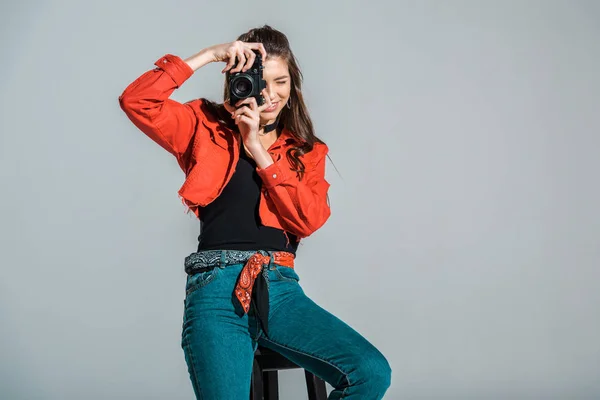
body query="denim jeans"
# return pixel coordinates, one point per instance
(219, 339)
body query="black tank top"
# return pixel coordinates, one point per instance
(232, 222)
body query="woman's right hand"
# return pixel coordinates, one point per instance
(227, 52)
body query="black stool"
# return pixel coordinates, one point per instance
(265, 385)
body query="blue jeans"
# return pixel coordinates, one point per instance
(219, 339)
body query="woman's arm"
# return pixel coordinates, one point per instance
(146, 102)
(169, 123)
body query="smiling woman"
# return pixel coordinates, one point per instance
(255, 177)
(283, 86)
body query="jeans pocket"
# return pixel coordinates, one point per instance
(200, 279)
(286, 273)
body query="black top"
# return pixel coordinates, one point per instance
(232, 222)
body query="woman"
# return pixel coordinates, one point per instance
(255, 177)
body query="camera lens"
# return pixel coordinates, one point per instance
(242, 86)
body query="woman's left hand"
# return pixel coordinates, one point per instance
(247, 117)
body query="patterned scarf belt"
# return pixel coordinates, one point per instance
(251, 286)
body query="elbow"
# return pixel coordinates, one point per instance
(130, 103)
(126, 103)
(135, 99)
(137, 108)
(311, 225)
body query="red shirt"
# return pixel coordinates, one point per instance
(208, 151)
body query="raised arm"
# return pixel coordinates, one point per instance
(169, 123)
(147, 104)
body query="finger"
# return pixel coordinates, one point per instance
(253, 104)
(231, 61)
(244, 119)
(250, 101)
(248, 116)
(260, 47)
(247, 112)
(241, 111)
(250, 57)
(241, 61)
(267, 102)
(263, 51)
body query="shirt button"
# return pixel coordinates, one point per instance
(274, 175)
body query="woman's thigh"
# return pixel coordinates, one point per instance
(218, 344)
(322, 343)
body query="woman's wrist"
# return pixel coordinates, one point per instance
(261, 156)
(200, 59)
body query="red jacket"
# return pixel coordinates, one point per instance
(208, 152)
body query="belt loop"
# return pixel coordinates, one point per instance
(269, 254)
(223, 262)
(271, 261)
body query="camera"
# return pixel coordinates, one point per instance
(247, 84)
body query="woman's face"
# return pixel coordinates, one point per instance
(279, 86)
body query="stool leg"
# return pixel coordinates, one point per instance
(256, 384)
(271, 385)
(315, 387)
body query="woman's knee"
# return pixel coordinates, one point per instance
(375, 372)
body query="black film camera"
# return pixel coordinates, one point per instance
(247, 84)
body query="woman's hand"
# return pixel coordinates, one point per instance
(228, 52)
(247, 117)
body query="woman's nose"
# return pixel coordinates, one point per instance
(270, 91)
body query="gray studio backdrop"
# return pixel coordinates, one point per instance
(464, 239)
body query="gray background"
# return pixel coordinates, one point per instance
(466, 136)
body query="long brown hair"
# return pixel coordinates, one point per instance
(296, 118)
